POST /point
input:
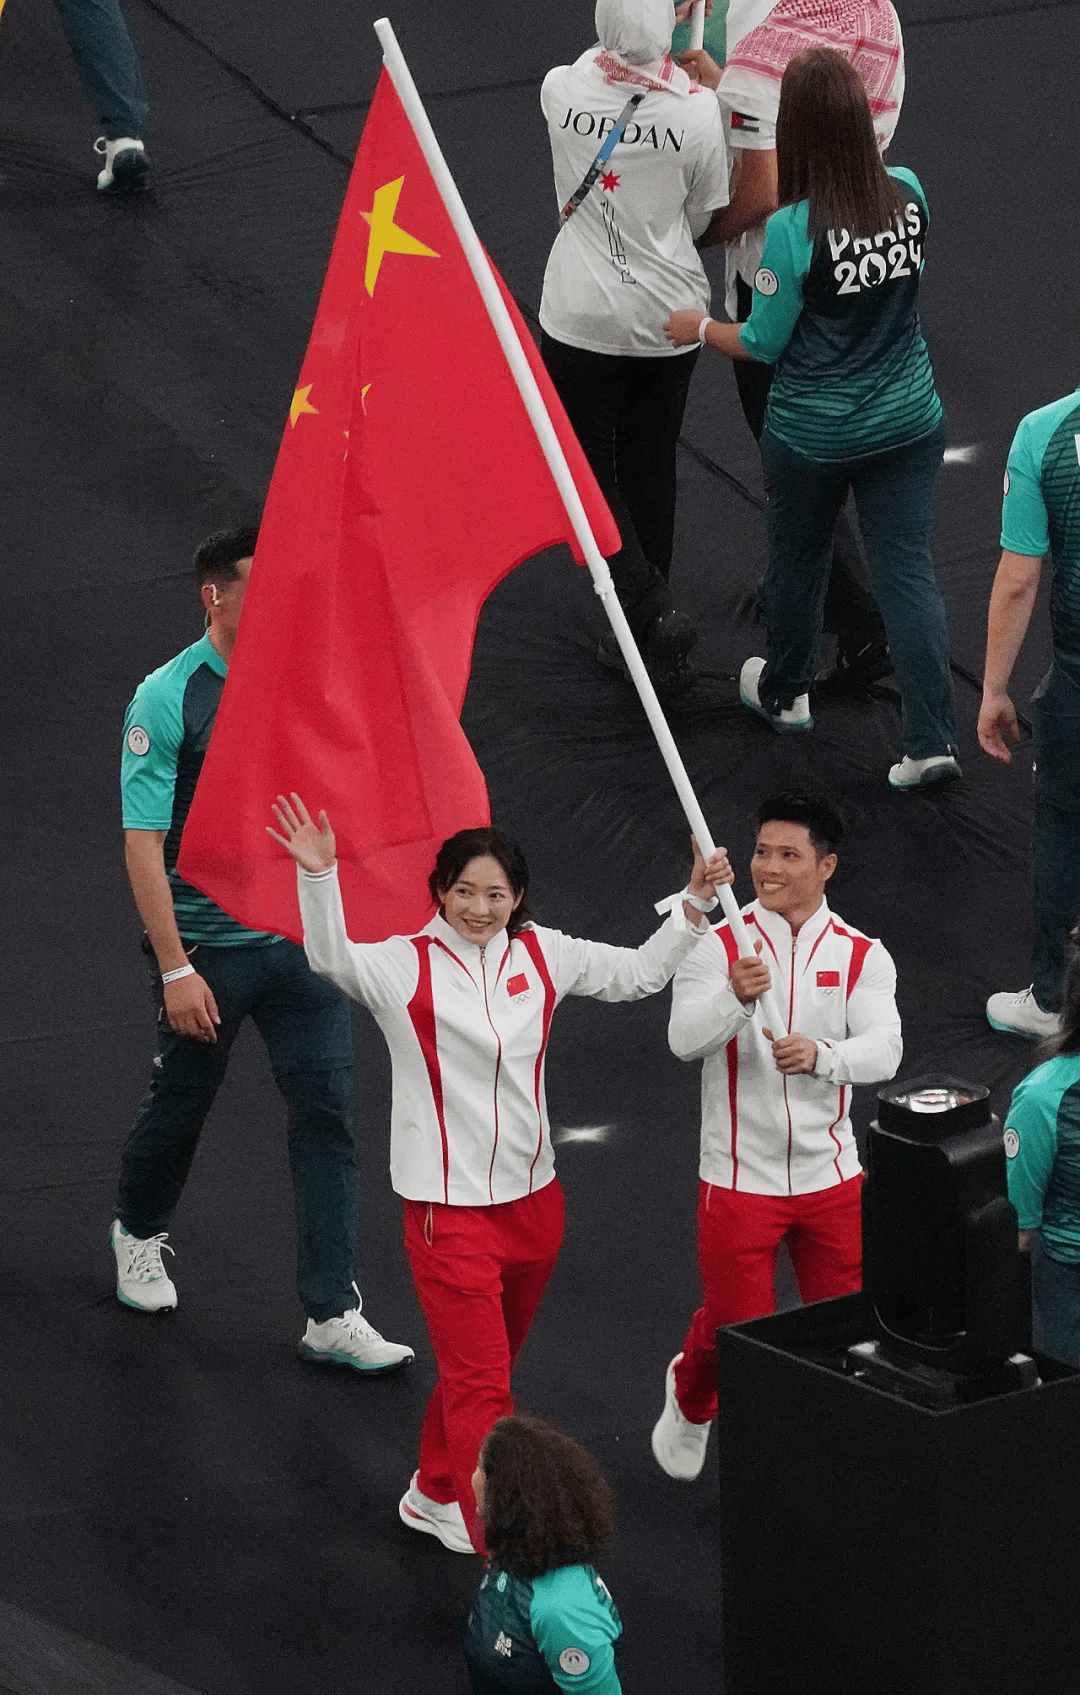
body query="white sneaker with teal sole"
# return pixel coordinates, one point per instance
(678, 1444)
(351, 1340)
(1020, 1014)
(127, 165)
(141, 1280)
(923, 773)
(435, 1518)
(791, 720)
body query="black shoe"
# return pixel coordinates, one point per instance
(665, 647)
(855, 673)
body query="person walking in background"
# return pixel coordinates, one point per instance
(760, 42)
(210, 974)
(1042, 1148)
(542, 1620)
(623, 257)
(108, 65)
(778, 1154)
(852, 406)
(1041, 514)
(466, 1009)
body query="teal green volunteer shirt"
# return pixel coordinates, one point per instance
(838, 317)
(1042, 1146)
(558, 1631)
(1041, 514)
(166, 734)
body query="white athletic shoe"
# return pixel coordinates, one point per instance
(140, 1276)
(351, 1340)
(678, 1444)
(1020, 1014)
(923, 773)
(790, 720)
(126, 167)
(435, 1518)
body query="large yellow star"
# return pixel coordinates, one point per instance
(385, 235)
(301, 404)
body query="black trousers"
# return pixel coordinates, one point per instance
(850, 609)
(627, 414)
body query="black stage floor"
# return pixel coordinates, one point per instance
(186, 1506)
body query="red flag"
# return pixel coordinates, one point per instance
(408, 482)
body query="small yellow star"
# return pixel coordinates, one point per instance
(363, 397)
(385, 235)
(301, 404)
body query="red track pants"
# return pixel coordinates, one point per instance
(479, 1275)
(738, 1238)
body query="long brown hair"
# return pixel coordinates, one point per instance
(826, 151)
(546, 1502)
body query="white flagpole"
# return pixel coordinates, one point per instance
(407, 92)
(697, 25)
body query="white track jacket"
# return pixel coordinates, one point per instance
(467, 1033)
(762, 1132)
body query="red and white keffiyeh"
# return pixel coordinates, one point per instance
(866, 32)
(634, 39)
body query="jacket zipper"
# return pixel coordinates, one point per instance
(498, 1068)
(790, 1014)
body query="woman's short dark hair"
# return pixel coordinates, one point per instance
(826, 150)
(483, 842)
(824, 821)
(217, 555)
(546, 1501)
(1067, 1039)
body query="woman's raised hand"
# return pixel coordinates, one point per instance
(312, 846)
(682, 12)
(707, 878)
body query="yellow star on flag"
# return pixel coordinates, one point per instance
(301, 404)
(385, 235)
(363, 398)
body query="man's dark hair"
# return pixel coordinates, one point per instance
(481, 843)
(826, 150)
(216, 557)
(824, 821)
(546, 1502)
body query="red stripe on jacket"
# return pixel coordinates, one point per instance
(532, 946)
(421, 1010)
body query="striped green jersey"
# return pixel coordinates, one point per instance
(1041, 513)
(839, 317)
(1042, 1142)
(166, 734)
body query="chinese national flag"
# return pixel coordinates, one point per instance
(409, 481)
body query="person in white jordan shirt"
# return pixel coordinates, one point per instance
(778, 1155)
(466, 1007)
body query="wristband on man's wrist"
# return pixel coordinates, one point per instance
(174, 976)
(702, 328)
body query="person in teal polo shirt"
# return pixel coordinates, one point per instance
(852, 405)
(542, 1621)
(1041, 514)
(1042, 1147)
(210, 973)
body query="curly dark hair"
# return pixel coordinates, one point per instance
(484, 842)
(546, 1502)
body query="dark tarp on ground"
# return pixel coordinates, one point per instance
(185, 1493)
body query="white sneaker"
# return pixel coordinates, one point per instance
(923, 773)
(678, 1444)
(126, 167)
(140, 1276)
(435, 1518)
(351, 1340)
(790, 720)
(1021, 1015)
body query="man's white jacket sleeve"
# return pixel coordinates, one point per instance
(705, 1010)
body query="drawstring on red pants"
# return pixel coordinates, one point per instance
(429, 1230)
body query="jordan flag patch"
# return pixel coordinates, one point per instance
(743, 121)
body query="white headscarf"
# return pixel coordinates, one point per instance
(638, 31)
(635, 40)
